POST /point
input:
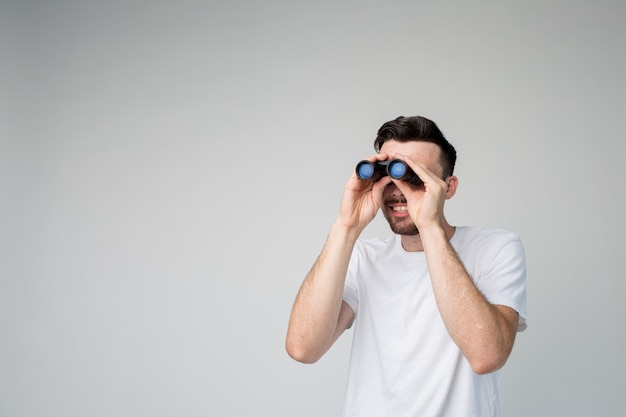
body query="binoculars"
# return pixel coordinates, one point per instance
(396, 169)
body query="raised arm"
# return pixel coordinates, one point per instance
(484, 332)
(319, 315)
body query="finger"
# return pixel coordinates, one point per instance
(379, 188)
(378, 157)
(420, 169)
(376, 192)
(405, 188)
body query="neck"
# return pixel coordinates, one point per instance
(413, 243)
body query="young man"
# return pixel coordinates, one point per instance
(435, 308)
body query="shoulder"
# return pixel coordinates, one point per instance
(475, 235)
(482, 241)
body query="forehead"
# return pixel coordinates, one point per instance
(427, 153)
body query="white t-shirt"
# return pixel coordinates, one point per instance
(404, 363)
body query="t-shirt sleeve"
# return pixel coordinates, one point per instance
(504, 279)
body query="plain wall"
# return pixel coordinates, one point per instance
(169, 172)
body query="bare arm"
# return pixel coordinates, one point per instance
(484, 332)
(319, 315)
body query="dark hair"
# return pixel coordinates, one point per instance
(417, 128)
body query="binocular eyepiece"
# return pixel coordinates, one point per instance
(396, 169)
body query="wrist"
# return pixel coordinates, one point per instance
(436, 232)
(344, 231)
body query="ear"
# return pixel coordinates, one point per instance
(453, 184)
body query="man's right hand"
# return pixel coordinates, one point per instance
(362, 199)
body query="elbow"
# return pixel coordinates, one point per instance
(300, 351)
(487, 364)
(302, 356)
(484, 368)
(489, 357)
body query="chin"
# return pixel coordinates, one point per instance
(404, 227)
(404, 230)
(407, 232)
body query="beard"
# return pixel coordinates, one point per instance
(403, 228)
(400, 226)
(406, 229)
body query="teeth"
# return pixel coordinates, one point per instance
(399, 208)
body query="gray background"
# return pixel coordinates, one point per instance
(169, 172)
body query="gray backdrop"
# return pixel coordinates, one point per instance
(169, 172)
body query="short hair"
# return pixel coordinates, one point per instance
(419, 129)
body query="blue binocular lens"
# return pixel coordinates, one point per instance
(371, 171)
(396, 169)
(365, 171)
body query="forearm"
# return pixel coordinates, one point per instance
(479, 329)
(315, 312)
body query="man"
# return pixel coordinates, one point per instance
(435, 308)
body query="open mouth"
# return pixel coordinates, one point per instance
(398, 208)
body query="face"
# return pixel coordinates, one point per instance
(394, 206)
